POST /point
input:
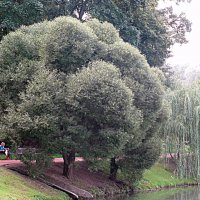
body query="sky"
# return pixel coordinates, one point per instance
(187, 54)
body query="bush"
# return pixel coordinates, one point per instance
(35, 162)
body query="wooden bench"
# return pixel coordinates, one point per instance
(21, 151)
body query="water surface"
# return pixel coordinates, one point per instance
(191, 193)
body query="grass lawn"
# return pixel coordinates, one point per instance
(16, 187)
(158, 177)
(2, 156)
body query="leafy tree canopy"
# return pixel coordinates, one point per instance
(14, 13)
(138, 21)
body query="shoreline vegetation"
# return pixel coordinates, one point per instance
(160, 177)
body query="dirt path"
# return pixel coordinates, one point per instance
(84, 182)
(18, 162)
(9, 162)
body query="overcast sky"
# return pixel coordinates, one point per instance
(188, 54)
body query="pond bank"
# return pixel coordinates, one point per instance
(161, 177)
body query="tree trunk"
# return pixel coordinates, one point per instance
(83, 9)
(69, 159)
(113, 169)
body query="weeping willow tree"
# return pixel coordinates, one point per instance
(182, 130)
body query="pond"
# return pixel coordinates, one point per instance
(191, 193)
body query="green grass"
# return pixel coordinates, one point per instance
(56, 156)
(2, 156)
(11, 156)
(158, 177)
(17, 187)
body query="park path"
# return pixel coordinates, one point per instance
(9, 162)
(60, 160)
(18, 162)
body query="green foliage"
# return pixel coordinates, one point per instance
(181, 130)
(35, 162)
(142, 25)
(142, 157)
(19, 56)
(118, 17)
(99, 86)
(145, 85)
(155, 39)
(70, 45)
(37, 113)
(22, 45)
(105, 31)
(139, 22)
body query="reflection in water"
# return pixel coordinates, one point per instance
(192, 193)
(178, 194)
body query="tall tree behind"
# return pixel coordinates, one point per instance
(181, 130)
(138, 21)
(14, 13)
(159, 29)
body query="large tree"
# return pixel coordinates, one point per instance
(181, 131)
(56, 103)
